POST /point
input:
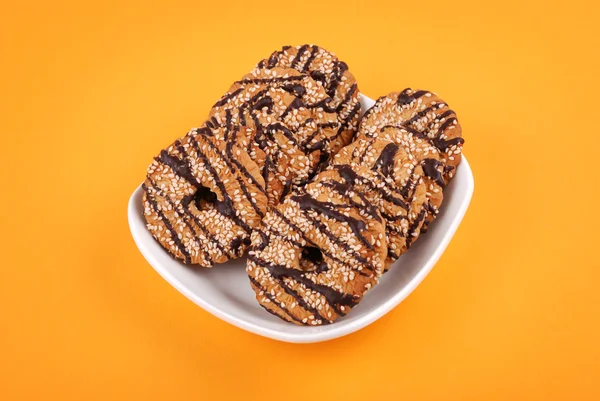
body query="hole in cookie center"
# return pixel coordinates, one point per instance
(312, 260)
(203, 197)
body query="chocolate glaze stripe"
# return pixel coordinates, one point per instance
(181, 168)
(198, 185)
(344, 123)
(296, 104)
(239, 165)
(350, 176)
(230, 157)
(392, 255)
(272, 62)
(430, 169)
(167, 224)
(421, 114)
(441, 144)
(227, 97)
(270, 80)
(279, 127)
(186, 219)
(228, 119)
(332, 124)
(404, 98)
(296, 89)
(272, 312)
(301, 301)
(229, 161)
(347, 98)
(344, 189)
(296, 59)
(334, 298)
(323, 229)
(210, 236)
(305, 238)
(250, 104)
(273, 300)
(334, 77)
(313, 54)
(366, 151)
(439, 117)
(224, 207)
(409, 183)
(419, 94)
(389, 218)
(386, 159)
(324, 104)
(413, 227)
(307, 202)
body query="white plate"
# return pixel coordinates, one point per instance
(225, 290)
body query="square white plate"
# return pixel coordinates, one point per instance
(225, 290)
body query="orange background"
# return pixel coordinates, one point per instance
(91, 92)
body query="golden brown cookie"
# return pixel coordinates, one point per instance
(202, 199)
(423, 124)
(287, 120)
(333, 74)
(317, 254)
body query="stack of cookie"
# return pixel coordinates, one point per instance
(282, 166)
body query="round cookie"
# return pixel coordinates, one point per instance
(202, 199)
(317, 254)
(424, 125)
(288, 121)
(335, 77)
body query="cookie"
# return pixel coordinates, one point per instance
(423, 124)
(202, 200)
(403, 181)
(317, 254)
(287, 121)
(335, 77)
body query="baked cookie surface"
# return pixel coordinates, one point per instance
(335, 77)
(202, 200)
(317, 254)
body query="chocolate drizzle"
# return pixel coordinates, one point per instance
(223, 101)
(298, 56)
(304, 237)
(274, 301)
(313, 54)
(430, 168)
(350, 176)
(295, 89)
(404, 98)
(168, 225)
(334, 298)
(385, 161)
(414, 226)
(345, 189)
(307, 202)
(179, 167)
(224, 205)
